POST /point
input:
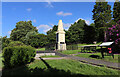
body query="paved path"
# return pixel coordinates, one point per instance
(52, 58)
(92, 61)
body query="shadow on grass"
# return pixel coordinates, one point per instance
(95, 56)
(25, 71)
(32, 72)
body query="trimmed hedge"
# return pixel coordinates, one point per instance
(18, 55)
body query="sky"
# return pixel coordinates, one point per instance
(44, 15)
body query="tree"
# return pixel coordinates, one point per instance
(22, 28)
(5, 41)
(116, 11)
(101, 16)
(76, 31)
(37, 40)
(27, 37)
(51, 37)
(90, 33)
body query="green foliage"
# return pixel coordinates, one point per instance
(38, 40)
(116, 11)
(101, 16)
(51, 38)
(17, 55)
(72, 47)
(90, 34)
(15, 43)
(76, 31)
(22, 28)
(5, 42)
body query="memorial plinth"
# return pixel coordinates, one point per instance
(60, 37)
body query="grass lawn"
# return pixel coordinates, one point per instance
(0, 60)
(98, 56)
(40, 49)
(49, 56)
(70, 51)
(61, 68)
(88, 44)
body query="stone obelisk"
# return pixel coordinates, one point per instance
(60, 37)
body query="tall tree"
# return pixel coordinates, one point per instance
(116, 11)
(22, 28)
(51, 37)
(101, 16)
(76, 31)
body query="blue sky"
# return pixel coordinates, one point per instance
(45, 14)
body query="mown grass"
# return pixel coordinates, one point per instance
(40, 49)
(70, 51)
(89, 44)
(98, 56)
(0, 60)
(61, 68)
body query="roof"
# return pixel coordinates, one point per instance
(106, 44)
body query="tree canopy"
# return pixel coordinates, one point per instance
(101, 16)
(22, 28)
(116, 11)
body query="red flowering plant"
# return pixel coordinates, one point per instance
(114, 34)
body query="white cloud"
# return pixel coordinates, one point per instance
(43, 27)
(34, 20)
(9, 32)
(29, 9)
(61, 13)
(66, 25)
(87, 21)
(52, 24)
(50, 4)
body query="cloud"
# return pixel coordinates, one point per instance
(43, 27)
(61, 13)
(50, 4)
(66, 25)
(9, 32)
(29, 9)
(87, 21)
(34, 20)
(52, 24)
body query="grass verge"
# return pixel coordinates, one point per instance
(62, 68)
(40, 49)
(98, 56)
(0, 60)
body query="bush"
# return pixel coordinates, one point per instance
(17, 55)
(16, 43)
(72, 47)
(4, 41)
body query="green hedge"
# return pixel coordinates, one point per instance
(17, 55)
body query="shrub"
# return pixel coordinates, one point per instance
(17, 55)
(114, 35)
(4, 41)
(72, 47)
(16, 43)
